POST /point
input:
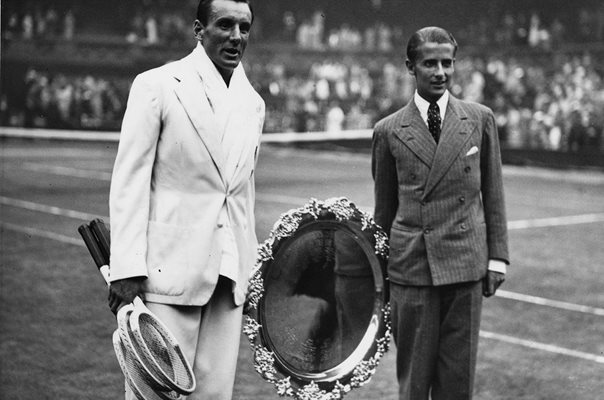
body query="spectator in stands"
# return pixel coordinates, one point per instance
(137, 28)
(28, 26)
(289, 26)
(515, 87)
(334, 120)
(189, 251)
(151, 32)
(577, 135)
(68, 25)
(10, 29)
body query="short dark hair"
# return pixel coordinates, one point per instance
(204, 8)
(428, 34)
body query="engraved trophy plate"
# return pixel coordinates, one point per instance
(318, 316)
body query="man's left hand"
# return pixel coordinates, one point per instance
(491, 282)
(123, 291)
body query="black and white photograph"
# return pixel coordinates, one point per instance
(307, 200)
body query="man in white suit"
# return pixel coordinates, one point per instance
(182, 195)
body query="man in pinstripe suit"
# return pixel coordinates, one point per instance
(439, 194)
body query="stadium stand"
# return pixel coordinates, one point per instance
(321, 66)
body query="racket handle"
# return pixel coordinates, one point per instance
(92, 245)
(95, 251)
(99, 229)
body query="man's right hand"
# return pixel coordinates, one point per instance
(123, 291)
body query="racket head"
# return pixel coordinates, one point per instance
(137, 382)
(160, 350)
(142, 379)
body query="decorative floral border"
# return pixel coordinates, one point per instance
(341, 209)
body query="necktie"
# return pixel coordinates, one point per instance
(434, 121)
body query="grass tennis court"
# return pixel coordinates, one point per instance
(542, 336)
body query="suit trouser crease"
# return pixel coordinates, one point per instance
(436, 331)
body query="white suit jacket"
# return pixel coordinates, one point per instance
(172, 179)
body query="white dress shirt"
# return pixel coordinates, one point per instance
(218, 95)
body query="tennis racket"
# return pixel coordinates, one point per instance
(149, 355)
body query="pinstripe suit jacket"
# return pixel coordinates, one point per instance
(443, 206)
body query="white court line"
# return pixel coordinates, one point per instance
(562, 305)
(485, 334)
(59, 134)
(542, 346)
(66, 171)
(289, 200)
(512, 225)
(43, 208)
(281, 199)
(296, 202)
(113, 136)
(299, 201)
(556, 221)
(41, 233)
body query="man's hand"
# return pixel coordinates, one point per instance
(491, 282)
(123, 291)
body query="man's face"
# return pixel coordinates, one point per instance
(226, 34)
(433, 69)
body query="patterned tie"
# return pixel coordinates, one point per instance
(434, 121)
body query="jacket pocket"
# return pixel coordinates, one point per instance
(167, 258)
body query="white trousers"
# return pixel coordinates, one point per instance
(209, 337)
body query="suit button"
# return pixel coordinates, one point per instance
(413, 176)
(462, 199)
(467, 169)
(423, 202)
(220, 225)
(427, 230)
(463, 227)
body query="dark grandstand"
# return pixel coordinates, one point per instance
(322, 65)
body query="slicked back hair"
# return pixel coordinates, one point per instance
(204, 9)
(428, 34)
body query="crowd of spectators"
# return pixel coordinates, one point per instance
(355, 77)
(533, 29)
(63, 101)
(312, 34)
(161, 23)
(555, 104)
(38, 22)
(528, 28)
(144, 23)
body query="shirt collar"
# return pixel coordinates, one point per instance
(208, 71)
(422, 105)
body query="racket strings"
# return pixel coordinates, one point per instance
(165, 352)
(141, 384)
(158, 348)
(134, 361)
(142, 377)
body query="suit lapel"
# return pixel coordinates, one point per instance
(455, 133)
(191, 94)
(237, 137)
(414, 133)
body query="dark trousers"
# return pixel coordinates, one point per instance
(436, 332)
